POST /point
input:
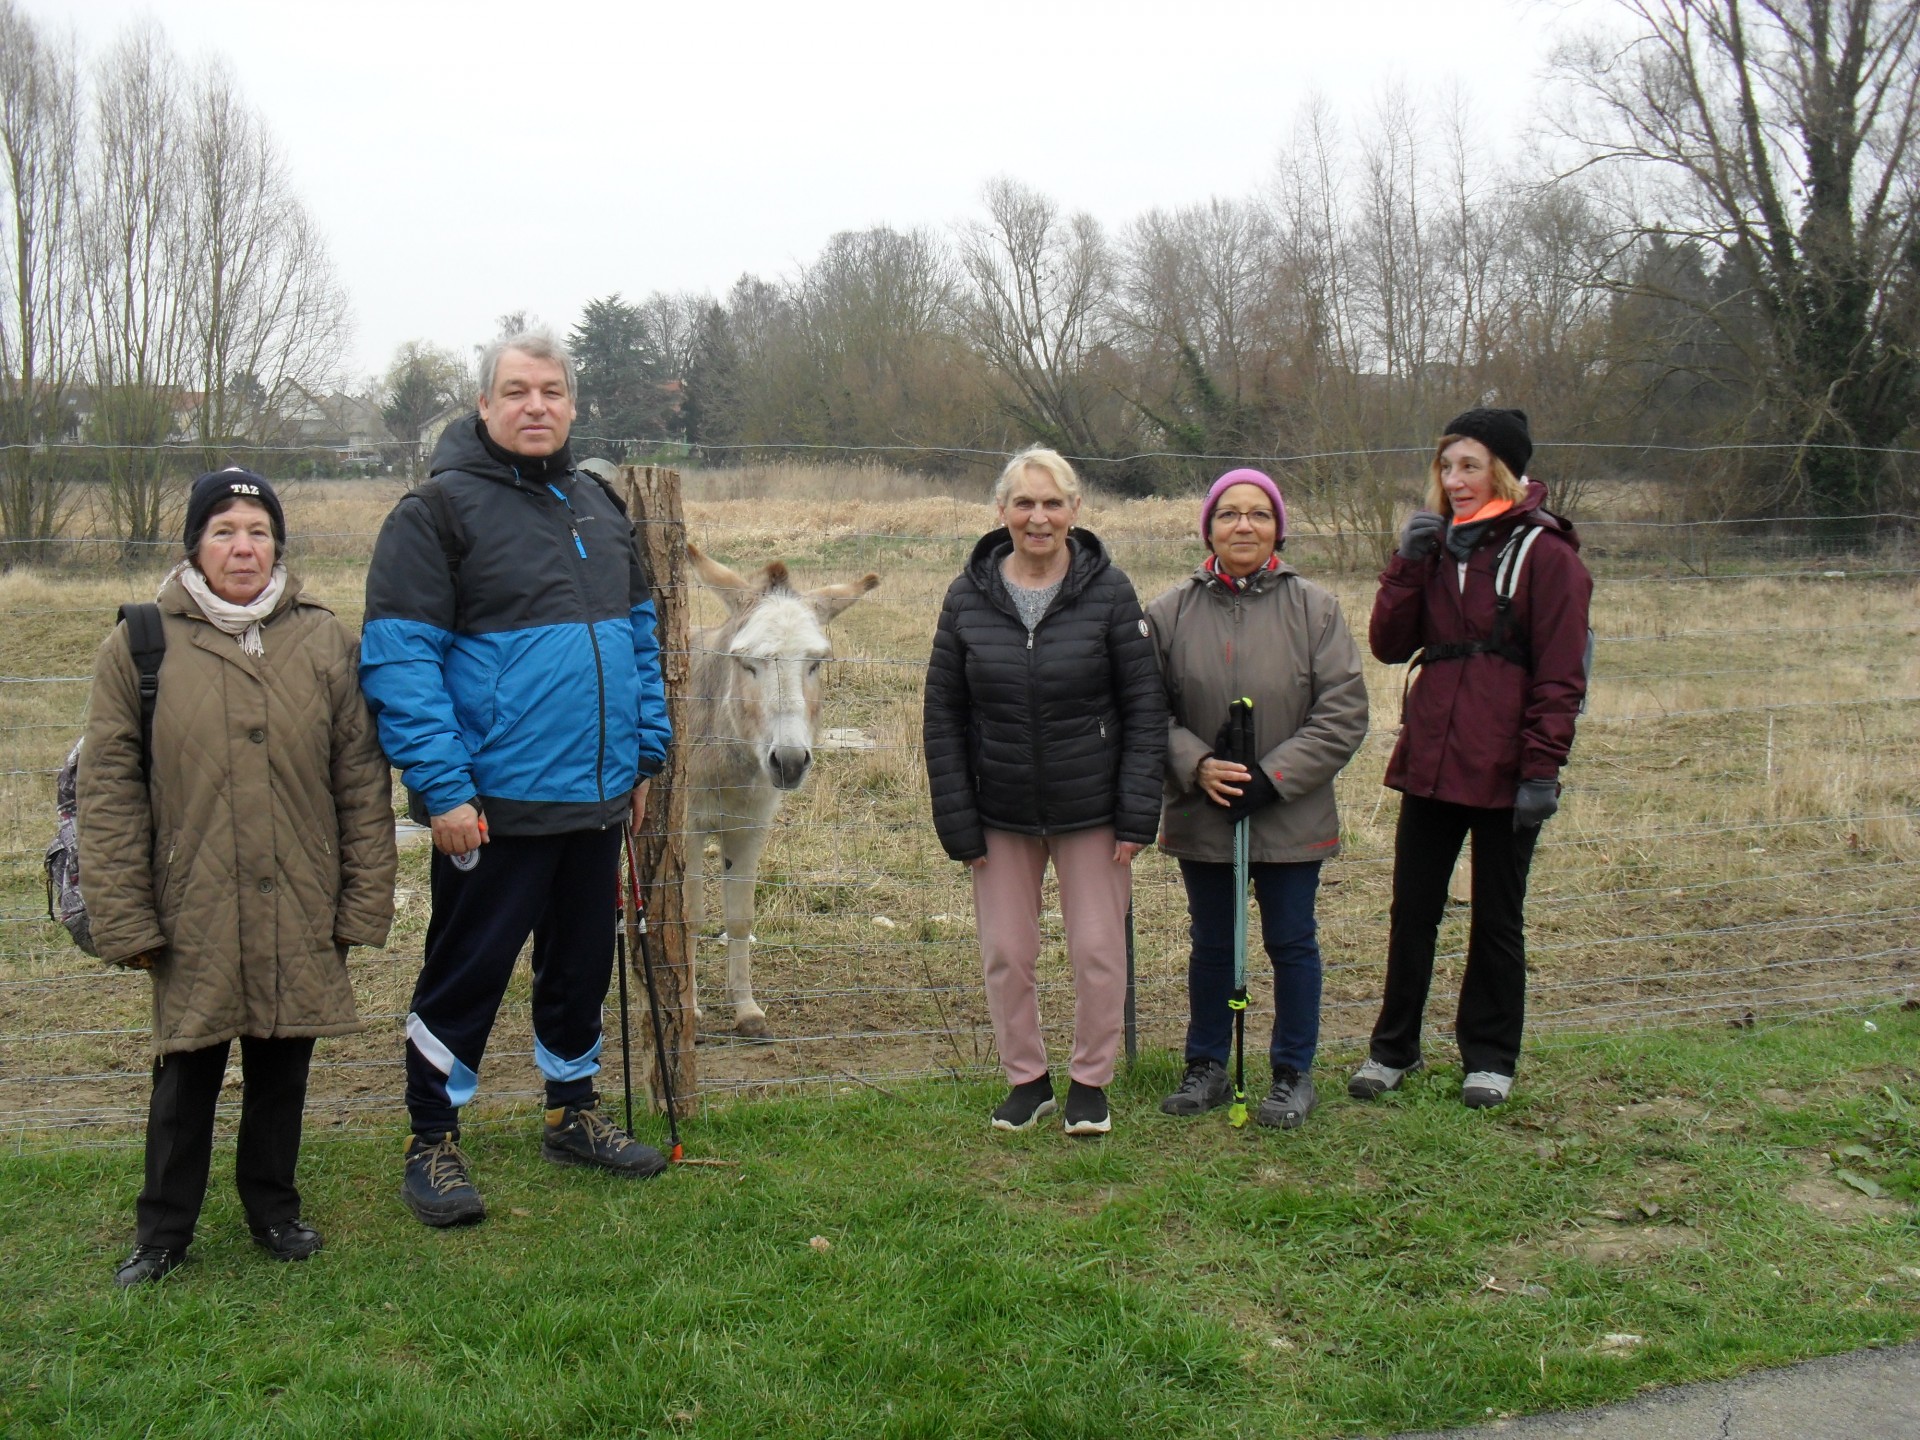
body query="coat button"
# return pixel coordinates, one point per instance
(266, 887)
(257, 736)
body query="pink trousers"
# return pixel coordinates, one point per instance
(1093, 902)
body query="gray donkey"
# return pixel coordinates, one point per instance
(755, 704)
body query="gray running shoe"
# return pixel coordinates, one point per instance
(1204, 1087)
(1289, 1102)
(1372, 1080)
(1484, 1089)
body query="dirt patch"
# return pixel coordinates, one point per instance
(1835, 1201)
(1625, 1247)
(1661, 1107)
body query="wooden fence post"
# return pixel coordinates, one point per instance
(653, 498)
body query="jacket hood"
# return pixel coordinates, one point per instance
(983, 565)
(461, 448)
(1533, 509)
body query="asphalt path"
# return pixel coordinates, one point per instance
(1868, 1395)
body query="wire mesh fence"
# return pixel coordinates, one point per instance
(1737, 842)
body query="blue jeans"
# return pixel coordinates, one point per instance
(1286, 894)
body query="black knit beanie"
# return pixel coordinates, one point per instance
(233, 483)
(1504, 432)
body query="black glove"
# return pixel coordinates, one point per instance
(1420, 537)
(1535, 801)
(1234, 745)
(1255, 794)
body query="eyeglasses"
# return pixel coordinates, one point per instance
(1231, 518)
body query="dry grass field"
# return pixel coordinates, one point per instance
(1738, 839)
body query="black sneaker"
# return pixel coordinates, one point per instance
(148, 1263)
(1289, 1102)
(1087, 1110)
(289, 1240)
(1024, 1105)
(436, 1188)
(581, 1135)
(1205, 1087)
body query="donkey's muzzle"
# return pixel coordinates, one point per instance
(788, 765)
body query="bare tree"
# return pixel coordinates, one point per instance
(140, 278)
(1778, 136)
(874, 316)
(40, 276)
(1040, 311)
(269, 321)
(1211, 312)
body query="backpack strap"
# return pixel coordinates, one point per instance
(452, 535)
(147, 638)
(1506, 580)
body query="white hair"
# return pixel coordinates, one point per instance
(540, 344)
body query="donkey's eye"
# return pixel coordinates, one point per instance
(813, 667)
(752, 667)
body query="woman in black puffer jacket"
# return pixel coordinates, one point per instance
(1045, 736)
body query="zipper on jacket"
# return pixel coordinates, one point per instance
(593, 641)
(1033, 730)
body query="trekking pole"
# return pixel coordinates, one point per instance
(620, 944)
(1240, 723)
(1237, 1112)
(638, 920)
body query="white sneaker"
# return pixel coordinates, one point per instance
(1483, 1089)
(1372, 1080)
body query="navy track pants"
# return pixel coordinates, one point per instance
(561, 890)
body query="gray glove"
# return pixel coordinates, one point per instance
(1534, 803)
(1421, 535)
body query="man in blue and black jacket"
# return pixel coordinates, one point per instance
(511, 661)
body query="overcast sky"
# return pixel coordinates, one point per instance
(470, 159)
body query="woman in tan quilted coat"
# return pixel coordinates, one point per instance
(240, 868)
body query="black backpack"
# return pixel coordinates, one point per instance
(148, 640)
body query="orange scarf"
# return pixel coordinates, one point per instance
(1490, 510)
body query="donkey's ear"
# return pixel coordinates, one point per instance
(829, 600)
(735, 593)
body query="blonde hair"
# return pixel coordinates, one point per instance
(1505, 486)
(1050, 463)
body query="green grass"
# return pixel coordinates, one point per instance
(1176, 1278)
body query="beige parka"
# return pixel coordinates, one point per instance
(1283, 643)
(266, 835)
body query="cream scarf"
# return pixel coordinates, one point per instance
(240, 621)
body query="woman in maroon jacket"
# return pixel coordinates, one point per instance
(1487, 597)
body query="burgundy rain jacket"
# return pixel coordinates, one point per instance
(1474, 728)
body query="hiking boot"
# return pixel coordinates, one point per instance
(1289, 1102)
(1024, 1105)
(1204, 1087)
(289, 1240)
(1484, 1089)
(148, 1263)
(436, 1188)
(1372, 1080)
(581, 1135)
(1087, 1112)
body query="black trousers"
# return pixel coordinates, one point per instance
(561, 889)
(186, 1086)
(1493, 992)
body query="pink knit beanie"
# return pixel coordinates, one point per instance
(1242, 477)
